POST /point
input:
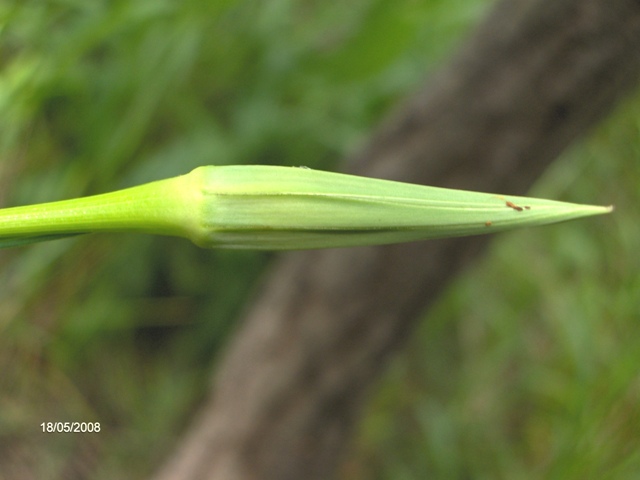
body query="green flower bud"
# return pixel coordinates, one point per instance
(285, 208)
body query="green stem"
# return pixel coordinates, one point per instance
(160, 207)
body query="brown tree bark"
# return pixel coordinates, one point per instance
(533, 77)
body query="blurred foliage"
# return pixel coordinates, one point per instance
(102, 94)
(527, 368)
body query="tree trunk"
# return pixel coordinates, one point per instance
(533, 77)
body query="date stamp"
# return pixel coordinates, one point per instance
(70, 427)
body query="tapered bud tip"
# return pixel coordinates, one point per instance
(601, 209)
(596, 209)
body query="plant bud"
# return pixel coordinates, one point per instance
(287, 208)
(283, 208)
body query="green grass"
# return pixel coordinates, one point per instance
(526, 369)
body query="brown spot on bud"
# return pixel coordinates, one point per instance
(514, 206)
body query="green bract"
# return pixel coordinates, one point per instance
(284, 208)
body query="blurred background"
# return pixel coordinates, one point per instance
(529, 366)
